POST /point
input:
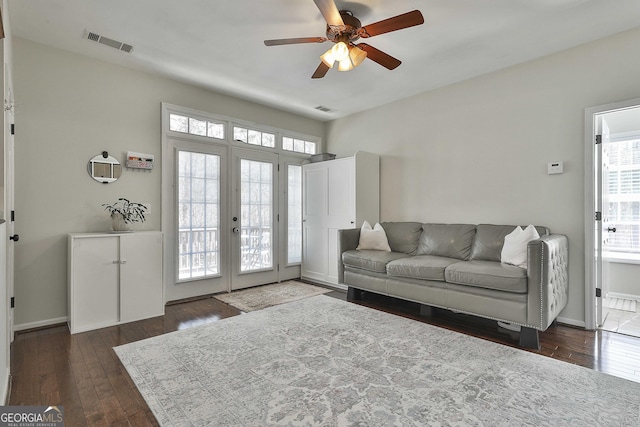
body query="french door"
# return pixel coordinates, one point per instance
(234, 218)
(199, 238)
(254, 218)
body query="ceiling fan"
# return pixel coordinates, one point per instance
(343, 29)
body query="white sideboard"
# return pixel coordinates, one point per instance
(337, 194)
(113, 278)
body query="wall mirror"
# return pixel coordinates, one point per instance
(104, 168)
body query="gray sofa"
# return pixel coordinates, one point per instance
(457, 267)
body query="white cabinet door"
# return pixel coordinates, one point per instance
(140, 276)
(94, 297)
(337, 194)
(340, 210)
(114, 278)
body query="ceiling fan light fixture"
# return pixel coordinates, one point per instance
(345, 65)
(357, 55)
(328, 58)
(340, 51)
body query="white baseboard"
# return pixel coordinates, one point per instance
(572, 322)
(40, 324)
(624, 296)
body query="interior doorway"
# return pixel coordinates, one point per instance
(612, 234)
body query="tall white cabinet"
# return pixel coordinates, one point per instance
(337, 194)
(114, 278)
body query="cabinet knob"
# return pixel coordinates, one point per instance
(116, 262)
(124, 261)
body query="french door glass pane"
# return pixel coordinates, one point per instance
(256, 231)
(198, 215)
(294, 214)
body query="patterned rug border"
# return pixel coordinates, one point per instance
(324, 361)
(261, 297)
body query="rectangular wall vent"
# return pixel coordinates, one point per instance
(107, 41)
(323, 109)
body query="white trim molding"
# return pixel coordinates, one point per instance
(40, 324)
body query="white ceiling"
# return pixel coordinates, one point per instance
(218, 44)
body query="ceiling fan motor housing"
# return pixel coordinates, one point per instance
(348, 32)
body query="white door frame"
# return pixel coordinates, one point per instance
(589, 203)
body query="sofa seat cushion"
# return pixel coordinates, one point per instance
(370, 260)
(426, 267)
(488, 275)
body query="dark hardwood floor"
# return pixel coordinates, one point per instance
(83, 374)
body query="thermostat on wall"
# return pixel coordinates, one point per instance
(555, 167)
(139, 160)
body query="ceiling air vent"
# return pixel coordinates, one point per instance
(323, 109)
(107, 41)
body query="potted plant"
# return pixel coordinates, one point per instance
(125, 212)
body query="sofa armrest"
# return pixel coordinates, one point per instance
(548, 281)
(347, 241)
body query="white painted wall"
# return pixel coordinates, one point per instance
(477, 151)
(69, 109)
(624, 279)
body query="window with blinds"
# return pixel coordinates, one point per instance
(624, 196)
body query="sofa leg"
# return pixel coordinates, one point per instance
(529, 338)
(426, 310)
(353, 294)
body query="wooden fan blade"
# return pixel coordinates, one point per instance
(399, 22)
(387, 61)
(330, 12)
(279, 42)
(321, 71)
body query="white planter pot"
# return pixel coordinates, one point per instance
(118, 223)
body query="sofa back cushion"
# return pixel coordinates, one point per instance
(447, 240)
(489, 240)
(403, 236)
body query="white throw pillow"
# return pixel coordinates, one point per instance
(514, 250)
(373, 238)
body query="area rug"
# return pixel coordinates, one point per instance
(260, 297)
(326, 362)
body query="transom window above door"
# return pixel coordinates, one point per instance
(195, 126)
(224, 129)
(254, 137)
(299, 145)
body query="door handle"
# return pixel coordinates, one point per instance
(15, 237)
(235, 230)
(611, 229)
